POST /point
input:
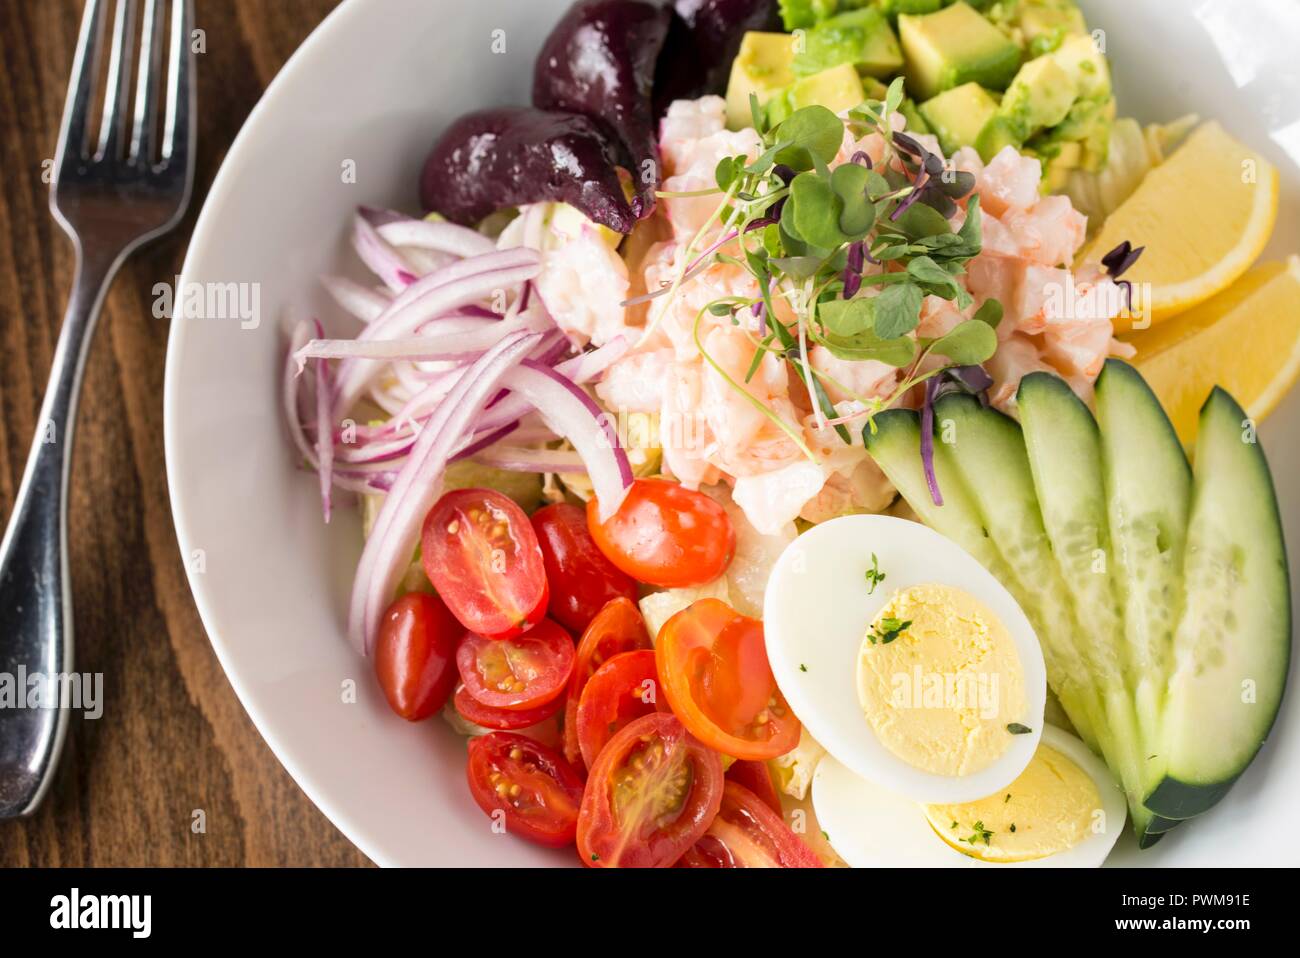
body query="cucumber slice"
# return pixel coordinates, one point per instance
(987, 452)
(1148, 497)
(1232, 646)
(1064, 447)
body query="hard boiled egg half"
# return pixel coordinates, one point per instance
(906, 659)
(1064, 810)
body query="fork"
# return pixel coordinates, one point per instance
(110, 197)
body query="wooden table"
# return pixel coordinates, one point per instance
(173, 738)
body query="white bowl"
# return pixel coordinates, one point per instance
(374, 84)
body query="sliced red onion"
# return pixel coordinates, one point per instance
(355, 375)
(324, 431)
(522, 459)
(381, 259)
(478, 443)
(359, 301)
(438, 236)
(568, 410)
(468, 339)
(396, 531)
(464, 269)
(290, 391)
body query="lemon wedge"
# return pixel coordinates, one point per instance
(1246, 339)
(1203, 215)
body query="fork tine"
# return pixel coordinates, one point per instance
(178, 130)
(146, 85)
(112, 127)
(85, 65)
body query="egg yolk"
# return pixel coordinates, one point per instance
(1053, 806)
(940, 680)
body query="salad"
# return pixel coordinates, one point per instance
(807, 435)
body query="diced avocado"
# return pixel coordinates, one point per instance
(762, 67)
(801, 14)
(916, 123)
(958, 115)
(1088, 123)
(863, 38)
(998, 132)
(1045, 24)
(1040, 96)
(1058, 163)
(838, 89)
(953, 46)
(1079, 57)
(1232, 644)
(873, 89)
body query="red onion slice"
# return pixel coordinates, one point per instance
(571, 413)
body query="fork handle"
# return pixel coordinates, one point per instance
(35, 598)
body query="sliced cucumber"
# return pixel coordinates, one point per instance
(1148, 497)
(1232, 645)
(987, 452)
(1064, 447)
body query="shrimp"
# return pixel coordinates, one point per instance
(694, 140)
(849, 379)
(636, 382)
(1010, 181)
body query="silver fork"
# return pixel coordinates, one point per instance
(111, 196)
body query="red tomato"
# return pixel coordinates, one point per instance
(506, 720)
(748, 834)
(524, 672)
(618, 627)
(536, 788)
(666, 534)
(714, 669)
(481, 554)
(624, 688)
(650, 796)
(581, 579)
(414, 655)
(756, 777)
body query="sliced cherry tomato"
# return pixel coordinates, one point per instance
(651, 794)
(536, 788)
(415, 655)
(748, 834)
(581, 579)
(666, 534)
(524, 672)
(756, 777)
(624, 688)
(618, 627)
(714, 669)
(481, 554)
(506, 720)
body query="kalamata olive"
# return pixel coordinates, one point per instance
(703, 40)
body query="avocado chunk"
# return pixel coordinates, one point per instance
(1045, 24)
(863, 38)
(802, 14)
(1039, 97)
(1089, 124)
(1080, 57)
(998, 132)
(958, 115)
(838, 89)
(763, 68)
(953, 46)
(892, 8)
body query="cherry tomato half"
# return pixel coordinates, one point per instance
(415, 655)
(506, 720)
(651, 794)
(519, 673)
(624, 688)
(534, 786)
(714, 669)
(581, 579)
(756, 777)
(748, 834)
(618, 627)
(481, 554)
(666, 534)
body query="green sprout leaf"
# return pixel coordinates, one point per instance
(898, 310)
(967, 344)
(990, 312)
(811, 132)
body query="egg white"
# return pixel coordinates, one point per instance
(816, 612)
(871, 827)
